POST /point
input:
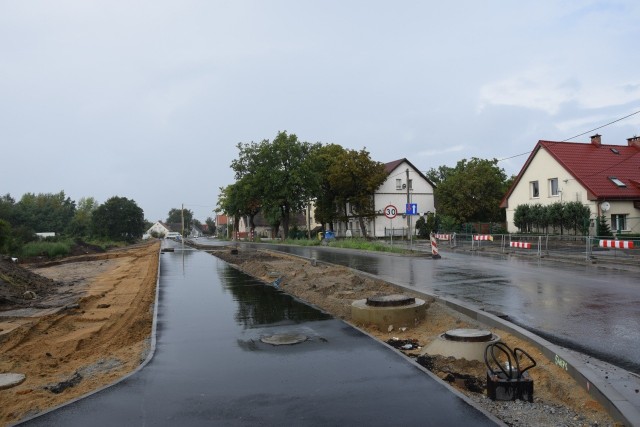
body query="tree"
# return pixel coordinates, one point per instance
(175, 216)
(7, 208)
(118, 219)
(556, 214)
(602, 227)
(578, 217)
(45, 211)
(80, 225)
(426, 226)
(5, 236)
(280, 171)
(472, 191)
(354, 178)
(439, 175)
(326, 211)
(211, 225)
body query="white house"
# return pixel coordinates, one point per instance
(405, 184)
(606, 178)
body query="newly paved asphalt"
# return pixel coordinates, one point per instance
(210, 367)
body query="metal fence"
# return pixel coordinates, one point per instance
(586, 247)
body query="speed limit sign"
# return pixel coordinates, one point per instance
(390, 211)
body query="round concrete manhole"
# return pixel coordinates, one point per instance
(468, 335)
(284, 339)
(396, 300)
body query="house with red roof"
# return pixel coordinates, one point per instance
(605, 178)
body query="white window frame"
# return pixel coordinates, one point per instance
(534, 187)
(616, 219)
(410, 184)
(398, 184)
(551, 187)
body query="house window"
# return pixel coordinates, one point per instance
(398, 184)
(617, 182)
(410, 184)
(553, 187)
(535, 189)
(619, 222)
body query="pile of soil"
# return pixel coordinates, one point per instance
(334, 288)
(20, 287)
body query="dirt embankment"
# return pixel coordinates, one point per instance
(558, 399)
(84, 322)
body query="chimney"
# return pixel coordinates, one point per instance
(595, 140)
(634, 142)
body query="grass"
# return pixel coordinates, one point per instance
(48, 249)
(355, 243)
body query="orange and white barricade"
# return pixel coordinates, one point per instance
(617, 244)
(522, 245)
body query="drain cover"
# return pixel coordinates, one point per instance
(468, 335)
(395, 300)
(284, 339)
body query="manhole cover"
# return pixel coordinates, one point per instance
(395, 300)
(284, 339)
(468, 335)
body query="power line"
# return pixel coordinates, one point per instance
(583, 133)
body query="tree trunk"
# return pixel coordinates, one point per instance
(285, 221)
(363, 229)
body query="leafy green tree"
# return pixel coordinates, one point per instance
(7, 208)
(281, 171)
(211, 225)
(325, 199)
(522, 218)
(175, 216)
(538, 217)
(577, 217)
(556, 214)
(439, 175)
(45, 212)
(118, 219)
(5, 236)
(354, 178)
(80, 225)
(426, 226)
(472, 191)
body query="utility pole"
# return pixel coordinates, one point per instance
(408, 215)
(182, 221)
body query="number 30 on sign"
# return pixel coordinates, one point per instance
(390, 211)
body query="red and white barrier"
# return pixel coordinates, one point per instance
(523, 245)
(434, 247)
(443, 236)
(483, 237)
(618, 244)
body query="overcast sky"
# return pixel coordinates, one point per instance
(148, 100)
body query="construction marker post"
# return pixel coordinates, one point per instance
(434, 247)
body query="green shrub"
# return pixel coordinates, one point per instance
(365, 245)
(48, 249)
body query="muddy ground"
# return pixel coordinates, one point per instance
(84, 322)
(73, 326)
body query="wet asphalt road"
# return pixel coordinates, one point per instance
(210, 367)
(592, 310)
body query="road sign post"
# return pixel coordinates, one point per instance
(390, 212)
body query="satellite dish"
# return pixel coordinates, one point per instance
(605, 206)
